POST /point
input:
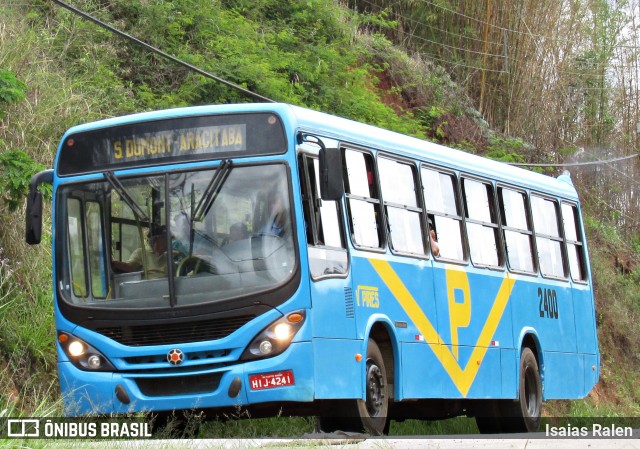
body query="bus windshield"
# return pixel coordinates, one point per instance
(177, 238)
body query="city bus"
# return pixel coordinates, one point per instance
(278, 260)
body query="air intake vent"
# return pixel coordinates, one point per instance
(179, 385)
(162, 334)
(348, 301)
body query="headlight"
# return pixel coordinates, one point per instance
(83, 355)
(274, 339)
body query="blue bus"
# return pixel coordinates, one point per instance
(283, 260)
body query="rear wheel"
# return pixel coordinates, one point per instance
(368, 416)
(524, 414)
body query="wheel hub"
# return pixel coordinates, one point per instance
(375, 389)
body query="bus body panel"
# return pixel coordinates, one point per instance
(423, 376)
(338, 373)
(333, 308)
(586, 337)
(509, 362)
(563, 375)
(546, 306)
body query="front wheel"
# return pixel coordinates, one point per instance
(368, 416)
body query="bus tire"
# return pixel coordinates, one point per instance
(525, 413)
(368, 416)
(374, 409)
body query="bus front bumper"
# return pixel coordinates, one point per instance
(286, 377)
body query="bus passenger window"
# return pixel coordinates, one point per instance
(482, 224)
(399, 192)
(575, 248)
(517, 232)
(440, 202)
(548, 239)
(362, 200)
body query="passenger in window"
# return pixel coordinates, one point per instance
(155, 258)
(277, 215)
(433, 238)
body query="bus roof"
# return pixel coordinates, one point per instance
(382, 139)
(367, 136)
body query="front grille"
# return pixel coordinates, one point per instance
(161, 334)
(178, 385)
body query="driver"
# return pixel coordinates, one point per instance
(154, 261)
(277, 215)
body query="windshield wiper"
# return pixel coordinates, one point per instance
(118, 187)
(213, 189)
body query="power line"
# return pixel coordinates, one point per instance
(535, 37)
(620, 172)
(418, 22)
(573, 164)
(509, 30)
(163, 54)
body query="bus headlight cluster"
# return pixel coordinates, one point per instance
(275, 338)
(83, 355)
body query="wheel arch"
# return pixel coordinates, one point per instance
(381, 331)
(529, 339)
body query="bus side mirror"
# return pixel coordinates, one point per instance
(33, 230)
(331, 186)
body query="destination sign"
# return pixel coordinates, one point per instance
(168, 141)
(210, 139)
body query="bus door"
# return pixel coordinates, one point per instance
(332, 297)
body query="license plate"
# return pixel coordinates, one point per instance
(271, 380)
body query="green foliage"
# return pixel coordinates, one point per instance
(12, 90)
(505, 149)
(17, 169)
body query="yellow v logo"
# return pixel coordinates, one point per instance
(460, 316)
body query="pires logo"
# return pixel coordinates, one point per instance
(175, 357)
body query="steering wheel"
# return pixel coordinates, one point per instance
(190, 265)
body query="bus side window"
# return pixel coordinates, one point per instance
(482, 223)
(327, 253)
(548, 238)
(363, 202)
(517, 232)
(575, 248)
(439, 190)
(398, 185)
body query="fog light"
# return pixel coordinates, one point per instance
(266, 347)
(94, 362)
(76, 348)
(282, 331)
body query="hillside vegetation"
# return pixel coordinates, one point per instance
(58, 70)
